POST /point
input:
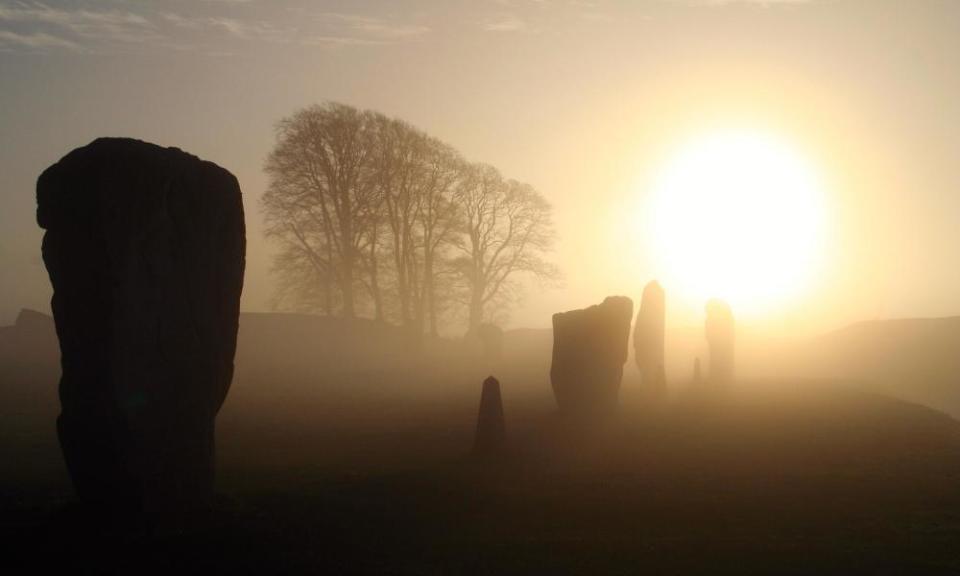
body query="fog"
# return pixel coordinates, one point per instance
(398, 306)
(337, 439)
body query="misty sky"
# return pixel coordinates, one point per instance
(583, 99)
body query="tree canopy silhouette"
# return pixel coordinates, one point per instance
(374, 217)
(322, 200)
(507, 231)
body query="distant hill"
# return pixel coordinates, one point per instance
(29, 403)
(298, 345)
(914, 359)
(29, 367)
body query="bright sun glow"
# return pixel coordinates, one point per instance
(739, 216)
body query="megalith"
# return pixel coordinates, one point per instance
(589, 350)
(648, 338)
(719, 330)
(491, 427)
(145, 249)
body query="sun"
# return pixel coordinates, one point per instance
(737, 215)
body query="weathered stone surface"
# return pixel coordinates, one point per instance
(589, 350)
(720, 337)
(145, 250)
(648, 338)
(491, 427)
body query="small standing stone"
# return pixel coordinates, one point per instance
(491, 428)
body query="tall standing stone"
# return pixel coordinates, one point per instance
(589, 350)
(491, 428)
(648, 338)
(145, 250)
(720, 337)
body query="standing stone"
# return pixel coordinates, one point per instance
(145, 250)
(491, 428)
(720, 338)
(648, 338)
(589, 350)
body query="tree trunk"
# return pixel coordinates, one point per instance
(416, 295)
(429, 295)
(327, 297)
(346, 287)
(375, 283)
(403, 290)
(327, 283)
(476, 308)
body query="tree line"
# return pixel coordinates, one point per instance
(373, 217)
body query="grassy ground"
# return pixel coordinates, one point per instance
(753, 483)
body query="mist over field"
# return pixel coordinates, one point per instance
(334, 430)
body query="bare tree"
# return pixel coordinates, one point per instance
(508, 230)
(303, 282)
(362, 205)
(439, 220)
(321, 197)
(399, 150)
(417, 177)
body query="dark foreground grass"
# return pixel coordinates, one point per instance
(838, 483)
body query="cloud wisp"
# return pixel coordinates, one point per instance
(40, 26)
(216, 26)
(35, 41)
(761, 3)
(504, 23)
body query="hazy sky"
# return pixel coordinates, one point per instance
(583, 99)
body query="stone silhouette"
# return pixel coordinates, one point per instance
(145, 248)
(720, 337)
(589, 350)
(648, 338)
(491, 427)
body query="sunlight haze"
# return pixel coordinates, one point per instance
(586, 101)
(735, 215)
